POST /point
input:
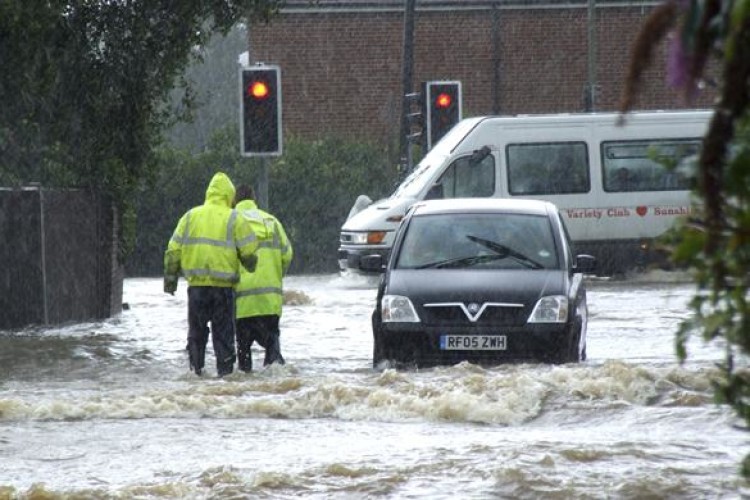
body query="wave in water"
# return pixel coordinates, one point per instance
(509, 395)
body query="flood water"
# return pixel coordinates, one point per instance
(110, 410)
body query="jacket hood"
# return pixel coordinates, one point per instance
(220, 190)
(246, 205)
(259, 220)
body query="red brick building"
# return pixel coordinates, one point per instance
(341, 61)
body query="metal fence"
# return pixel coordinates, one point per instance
(58, 257)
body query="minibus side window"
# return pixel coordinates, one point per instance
(466, 179)
(548, 168)
(643, 165)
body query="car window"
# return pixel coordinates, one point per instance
(478, 241)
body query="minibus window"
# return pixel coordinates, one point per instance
(548, 168)
(646, 165)
(466, 178)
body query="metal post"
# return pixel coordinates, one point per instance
(406, 81)
(43, 254)
(496, 49)
(590, 100)
(262, 186)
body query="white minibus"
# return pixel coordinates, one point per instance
(608, 179)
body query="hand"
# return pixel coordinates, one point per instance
(170, 285)
(249, 263)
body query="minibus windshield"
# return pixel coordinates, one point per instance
(423, 172)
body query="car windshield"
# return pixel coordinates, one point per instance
(478, 241)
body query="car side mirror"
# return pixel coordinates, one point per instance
(585, 263)
(373, 263)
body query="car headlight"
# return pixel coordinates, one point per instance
(369, 238)
(398, 309)
(552, 309)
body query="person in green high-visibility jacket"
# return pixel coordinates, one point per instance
(209, 247)
(259, 294)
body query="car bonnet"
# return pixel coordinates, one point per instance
(464, 285)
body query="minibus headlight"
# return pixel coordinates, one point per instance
(358, 238)
(398, 309)
(552, 309)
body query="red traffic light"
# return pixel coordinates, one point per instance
(441, 106)
(258, 89)
(443, 100)
(260, 113)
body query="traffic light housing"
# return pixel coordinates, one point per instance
(442, 102)
(260, 116)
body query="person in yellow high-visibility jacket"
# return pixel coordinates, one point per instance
(209, 247)
(259, 294)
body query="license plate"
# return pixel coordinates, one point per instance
(473, 342)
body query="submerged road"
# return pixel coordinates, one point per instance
(110, 410)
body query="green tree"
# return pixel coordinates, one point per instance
(707, 37)
(85, 84)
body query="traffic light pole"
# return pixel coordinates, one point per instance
(406, 84)
(590, 95)
(262, 186)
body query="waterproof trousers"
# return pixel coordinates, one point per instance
(215, 306)
(265, 331)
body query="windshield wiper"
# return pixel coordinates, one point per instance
(461, 261)
(505, 251)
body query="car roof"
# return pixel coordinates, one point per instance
(470, 205)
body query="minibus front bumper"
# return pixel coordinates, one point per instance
(349, 258)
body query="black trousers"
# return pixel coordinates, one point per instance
(265, 331)
(214, 305)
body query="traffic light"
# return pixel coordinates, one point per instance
(260, 116)
(442, 101)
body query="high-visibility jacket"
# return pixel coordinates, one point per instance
(211, 243)
(260, 293)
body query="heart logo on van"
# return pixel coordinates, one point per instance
(641, 210)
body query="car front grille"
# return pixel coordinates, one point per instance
(460, 314)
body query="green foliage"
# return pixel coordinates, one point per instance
(313, 187)
(161, 201)
(721, 308)
(84, 85)
(311, 190)
(715, 243)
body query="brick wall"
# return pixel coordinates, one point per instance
(341, 71)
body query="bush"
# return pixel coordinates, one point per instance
(312, 186)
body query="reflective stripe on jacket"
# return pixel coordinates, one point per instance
(210, 240)
(260, 293)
